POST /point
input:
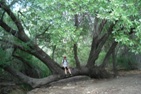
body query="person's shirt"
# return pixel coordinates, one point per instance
(65, 63)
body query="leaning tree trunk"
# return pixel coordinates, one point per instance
(114, 64)
(99, 43)
(53, 51)
(57, 72)
(34, 49)
(33, 82)
(76, 56)
(96, 47)
(29, 70)
(110, 51)
(75, 44)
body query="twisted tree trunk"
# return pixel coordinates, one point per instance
(57, 72)
(34, 49)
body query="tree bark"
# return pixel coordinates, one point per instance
(76, 57)
(114, 64)
(75, 44)
(29, 70)
(53, 51)
(34, 49)
(94, 53)
(18, 75)
(95, 42)
(110, 51)
(40, 54)
(20, 33)
(52, 65)
(34, 83)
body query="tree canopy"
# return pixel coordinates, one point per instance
(45, 30)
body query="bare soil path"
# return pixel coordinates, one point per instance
(126, 83)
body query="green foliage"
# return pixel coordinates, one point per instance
(37, 15)
(83, 53)
(5, 56)
(100, 59)
(58, 16)
(127, 63)
(40, 68)
(26, 87)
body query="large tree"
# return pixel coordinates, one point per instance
(54, 22)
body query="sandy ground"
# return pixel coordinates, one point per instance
(126, 83)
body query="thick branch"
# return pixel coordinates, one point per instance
(17, 74)
(114, 63)
(53, 51)
(43, 32)
(31, 81)
(8, 29)
(2, 15)
(14, 45)
(46, 59)
(98, 28)
(20, 33)
(23, 60)
(13, 17)
(76, 57)
(29, 69)
(101, 25)
(95, 53)
(75, 44)
(40, 54)
(111, 49)
(34, 49)
(95, 72)
(97, 31)
(95, 26)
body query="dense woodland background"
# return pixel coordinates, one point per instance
(97, 36)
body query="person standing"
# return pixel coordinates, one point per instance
(66, 67)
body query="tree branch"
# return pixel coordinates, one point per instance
(38, 35)
(33, 82)
(95, 53)
(101, 25)
(76, 57)
(8, 29)
(97, 31)
(75, 44)
(34, 48)
(111, 49)
(20, 33)
(23, 60)
(2, 15)
(18, 74)
(15, 46)
(12, 16)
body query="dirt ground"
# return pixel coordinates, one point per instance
(126, 83)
